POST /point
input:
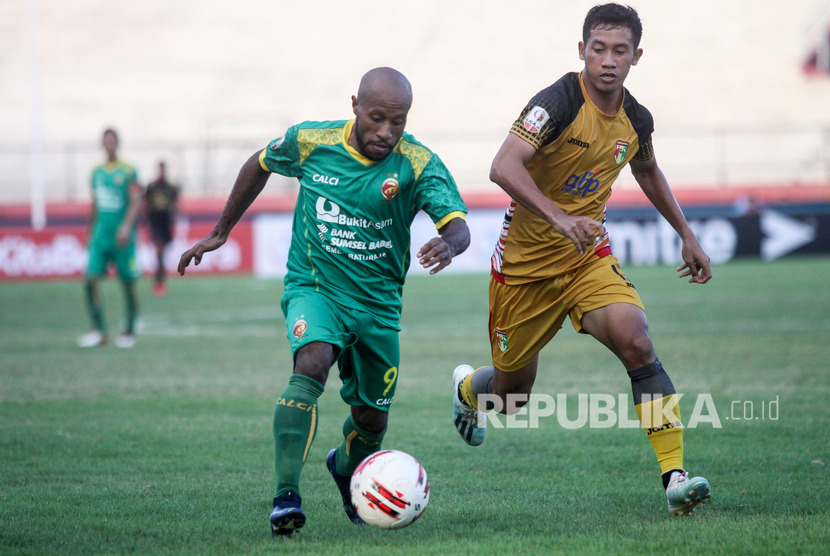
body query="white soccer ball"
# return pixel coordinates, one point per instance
(390, 489)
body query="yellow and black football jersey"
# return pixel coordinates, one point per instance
(580, 151)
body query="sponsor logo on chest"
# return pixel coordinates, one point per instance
(327, 180)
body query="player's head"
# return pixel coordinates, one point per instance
(110, 142)
(610, 16)
(610, 46)
(380, 108)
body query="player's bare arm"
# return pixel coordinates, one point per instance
(133, 210)
(439, 251)
(654, 184)
(249, 183)
(508, 171)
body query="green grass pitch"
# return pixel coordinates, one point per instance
(167, 448)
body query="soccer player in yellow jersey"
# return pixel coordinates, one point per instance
(553, 257)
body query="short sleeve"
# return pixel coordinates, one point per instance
(282, 156)
(437, 193)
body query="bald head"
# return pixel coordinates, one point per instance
(385, 85)
(380, 108)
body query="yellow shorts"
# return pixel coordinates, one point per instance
(525, 317)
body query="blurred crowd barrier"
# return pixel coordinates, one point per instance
(725, 158)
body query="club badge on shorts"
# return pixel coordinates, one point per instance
(300, 328)
(501, 340)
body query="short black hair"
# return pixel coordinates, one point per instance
(611, 16)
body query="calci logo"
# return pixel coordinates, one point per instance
(390, 188)
(328, 180)
(535, 119)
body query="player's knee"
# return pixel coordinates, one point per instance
(369, 419)
(314, 361)
(638, 351)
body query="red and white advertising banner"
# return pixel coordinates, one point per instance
(60, 252)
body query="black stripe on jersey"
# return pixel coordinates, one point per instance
(564, 99)
(643, 123)
(562, 102)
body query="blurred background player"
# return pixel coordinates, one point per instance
(362, 181)
(116, 203)
(553, 258)
(161, 208)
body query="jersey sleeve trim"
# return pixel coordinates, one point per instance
(262, 160)
(455, 214)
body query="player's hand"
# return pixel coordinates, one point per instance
(581, 230)
(435, 253)
(122, 236)
(210, 243)
(695, 264)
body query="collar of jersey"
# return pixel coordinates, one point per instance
(347, 131)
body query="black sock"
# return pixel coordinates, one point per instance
(667, 477)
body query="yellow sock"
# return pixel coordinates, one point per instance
(467, 395)
(661, 421)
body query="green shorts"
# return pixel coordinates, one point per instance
(103, 249)
(369, 351)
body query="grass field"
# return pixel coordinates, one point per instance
(167, 448)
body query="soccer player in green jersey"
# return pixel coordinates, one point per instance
(362, 181)
(116, 203)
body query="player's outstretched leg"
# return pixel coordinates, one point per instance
(343, 485)
(685, 494)
(469, 422)
(287, 515)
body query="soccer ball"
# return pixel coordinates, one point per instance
(390, 489)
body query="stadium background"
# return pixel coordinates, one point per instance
(739, 92)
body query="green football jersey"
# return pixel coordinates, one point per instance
(111, 194)
(351, 228)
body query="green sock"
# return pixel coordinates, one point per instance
(357, 444)
(295, 423)
(131, 306)
(94, 305)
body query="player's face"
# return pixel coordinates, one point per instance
(609, 55)
(379, 125)
(110, 143)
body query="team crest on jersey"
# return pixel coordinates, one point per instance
(535, 119)
(300, 328)
(619, 152)
(390, 188)
(501, 340)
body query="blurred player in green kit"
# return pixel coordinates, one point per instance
(362, 181)
(116, 203)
